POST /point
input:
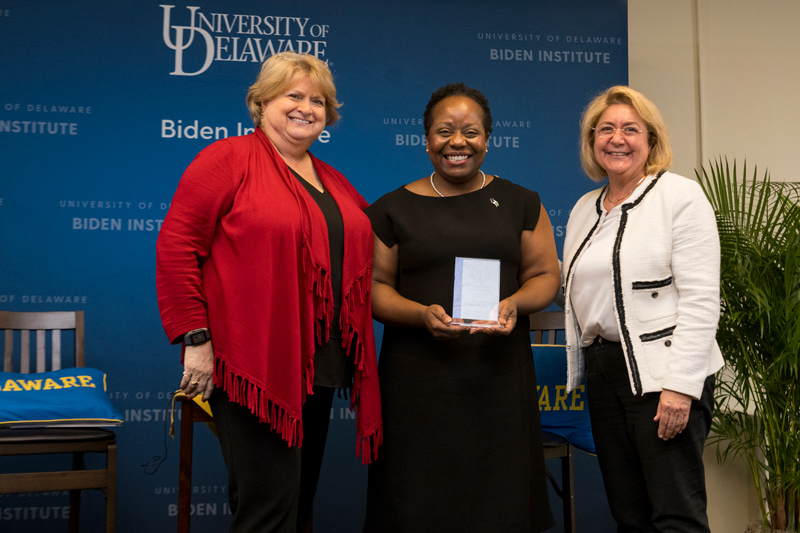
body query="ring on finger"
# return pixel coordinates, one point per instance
(194, 382)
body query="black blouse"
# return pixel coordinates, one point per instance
(332, 367)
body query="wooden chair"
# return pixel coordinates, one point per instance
(544, 327)
(190, 413)
(75, 441)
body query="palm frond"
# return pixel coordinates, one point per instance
(759, 331)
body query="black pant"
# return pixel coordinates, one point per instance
(652, 485)
(271, 486)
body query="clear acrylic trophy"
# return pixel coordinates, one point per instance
(476, 292)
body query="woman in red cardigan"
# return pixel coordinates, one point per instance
(263, 273)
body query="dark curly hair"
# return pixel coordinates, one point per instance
(458, 89)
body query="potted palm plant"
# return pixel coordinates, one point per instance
(757, 416)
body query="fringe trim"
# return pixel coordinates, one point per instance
(369, 444)
(318, 282)
(308, 373)
(352, 340)
(356, 295)
(247, 394)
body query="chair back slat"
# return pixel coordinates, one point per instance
(41, 323)
(25, 351)
(8, 351)
(41, 353)
(79, 354)
(55, 347)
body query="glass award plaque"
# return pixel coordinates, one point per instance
(476, 292)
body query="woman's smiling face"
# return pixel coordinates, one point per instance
(622, 156)
(456, 140)
(296, 116)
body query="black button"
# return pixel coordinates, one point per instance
(667, 343)
(654, 295)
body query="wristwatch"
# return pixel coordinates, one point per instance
(197, 337)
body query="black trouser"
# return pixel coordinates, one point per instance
(271, 486)
(652, 485)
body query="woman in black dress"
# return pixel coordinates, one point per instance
(462, 439)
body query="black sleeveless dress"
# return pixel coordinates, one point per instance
(462, 438)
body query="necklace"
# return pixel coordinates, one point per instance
(442, 195)
(608, 197)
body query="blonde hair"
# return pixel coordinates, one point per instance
(280, 71)
(660, 157)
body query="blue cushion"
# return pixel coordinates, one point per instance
(562, 414)
(68, 397)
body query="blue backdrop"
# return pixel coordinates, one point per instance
(104, 104)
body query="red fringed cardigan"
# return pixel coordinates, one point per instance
(244, 251)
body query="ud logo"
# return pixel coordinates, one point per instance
(239, 38)
(184, 38)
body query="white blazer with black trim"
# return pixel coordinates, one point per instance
(665, 265)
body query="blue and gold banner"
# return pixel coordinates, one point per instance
(104, 104)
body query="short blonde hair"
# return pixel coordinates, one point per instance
(280, 71)
(660, 157)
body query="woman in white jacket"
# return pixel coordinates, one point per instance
(641, 287)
